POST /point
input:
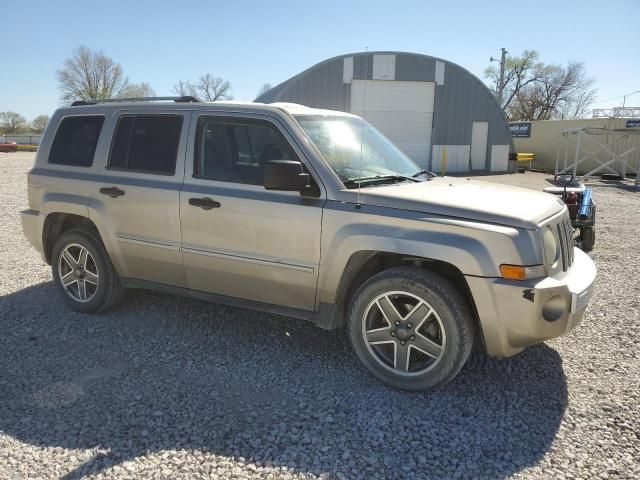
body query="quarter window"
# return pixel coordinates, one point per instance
(76, 140)
(231, 151)
(146, 143)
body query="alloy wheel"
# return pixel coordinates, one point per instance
(404, 333)
(78, 272)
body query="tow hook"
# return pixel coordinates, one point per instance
(528, 294)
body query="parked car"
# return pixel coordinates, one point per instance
(6, 146)
(302, 212)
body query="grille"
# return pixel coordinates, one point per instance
(565, 237)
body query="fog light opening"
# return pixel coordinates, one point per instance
(554, 308)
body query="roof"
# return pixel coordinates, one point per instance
(274, 92)
(290, 108)
(297, 109)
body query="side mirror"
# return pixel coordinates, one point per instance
(288, 175)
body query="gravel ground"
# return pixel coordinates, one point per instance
(167, 387)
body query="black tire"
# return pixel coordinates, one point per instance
(109, 290)
(588, 238)
(449, 305)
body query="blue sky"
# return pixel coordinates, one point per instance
(250, 42)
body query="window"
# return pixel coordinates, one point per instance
(146, 143)
(76, 140)
(236, 151)
(354, 148)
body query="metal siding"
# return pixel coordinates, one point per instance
(384, 67)
(457, 158)
(479, 142)
(462, 100)
(415, 69)
(347, 72)
(360, 63)
(440, 73)
(499, 158)
(323, 87)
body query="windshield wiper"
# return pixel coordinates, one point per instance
(378, 178)
(428, 173)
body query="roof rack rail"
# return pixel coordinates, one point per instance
(182, 99)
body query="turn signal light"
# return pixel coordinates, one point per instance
(518, 272)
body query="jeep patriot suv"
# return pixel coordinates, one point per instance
(302, 212)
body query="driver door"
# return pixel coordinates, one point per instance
(238, 239)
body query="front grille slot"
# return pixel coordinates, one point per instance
(565, 237)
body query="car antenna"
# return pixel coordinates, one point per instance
(364, 113)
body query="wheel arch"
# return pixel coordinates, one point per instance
(362, 265)
(56, 223)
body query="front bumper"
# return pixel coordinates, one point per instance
(515, 314)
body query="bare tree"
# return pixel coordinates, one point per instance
(184, 88)
(208, 87)
(264, 89)
(39, 123)
(134, 90)
(89, 75)
(534, 90)
(213, 88)
(562, 92)
(12, 122)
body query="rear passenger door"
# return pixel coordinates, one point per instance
(238, 239)
(137, 193)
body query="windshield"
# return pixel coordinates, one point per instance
(339, 138)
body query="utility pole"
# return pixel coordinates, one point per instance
(624, 98)
(502, 60)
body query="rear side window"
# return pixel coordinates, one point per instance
(76, 140)
(146, 143)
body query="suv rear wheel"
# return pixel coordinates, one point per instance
(410, 328)
(83, 272)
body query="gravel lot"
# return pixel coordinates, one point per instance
(166, 387)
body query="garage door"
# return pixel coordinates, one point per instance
(403, 111)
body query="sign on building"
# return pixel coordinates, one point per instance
(520, 129)
(634, 122)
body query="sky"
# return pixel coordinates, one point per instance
(251, 43)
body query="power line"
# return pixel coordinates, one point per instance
(609, 99)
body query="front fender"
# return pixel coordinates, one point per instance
(474, 248)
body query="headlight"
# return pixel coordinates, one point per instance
(551, 247)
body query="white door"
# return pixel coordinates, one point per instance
(403, 111)
(479, 134)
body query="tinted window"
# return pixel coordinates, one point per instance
(146, 143)
(236, 152)
(75, 141)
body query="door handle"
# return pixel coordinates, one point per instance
(113, 192)
(204, 203)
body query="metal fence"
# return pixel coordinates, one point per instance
(24, 139)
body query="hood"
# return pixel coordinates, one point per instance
(466, 198)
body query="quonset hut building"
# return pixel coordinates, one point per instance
(425, 105)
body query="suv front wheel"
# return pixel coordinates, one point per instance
(83, 272)
(410, 328)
